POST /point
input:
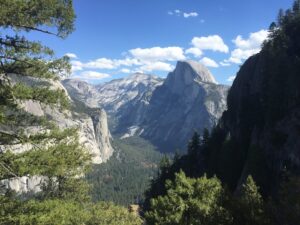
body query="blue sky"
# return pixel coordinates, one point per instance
(116, 37)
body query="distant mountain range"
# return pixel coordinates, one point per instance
(165, 112)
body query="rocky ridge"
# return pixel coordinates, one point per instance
(166, 112)
(92, 130)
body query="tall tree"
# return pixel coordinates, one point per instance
(51, 153)
(189, 201)
(250, 209)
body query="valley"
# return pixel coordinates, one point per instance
(141, 129)
(153, 113)
(128, 173)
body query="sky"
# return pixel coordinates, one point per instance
(114, 38)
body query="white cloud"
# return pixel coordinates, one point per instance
(194, 51)
(178, 12)
(91, 75)
(224, 63)
(231, 78)
(254, 41)
(238, 55)
(71, 55)
(191, 14)
(209, 62)
(101, 63)
(213, 42)
(127, 62)
(76, 65)
(158, 54)
(156, 66)
(247, 47)
(125, 70)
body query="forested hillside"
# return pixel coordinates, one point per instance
(246, 171)
(127, 175)
(52, 155)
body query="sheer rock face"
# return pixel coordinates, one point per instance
(114, 95)
(24, 185)
(82, 91)
(166, 112)
(125, 99)
(92, 130)
(264, 111)
(188, 101)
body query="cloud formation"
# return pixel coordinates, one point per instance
(191, 14)
(91, 75)
(209, 62)
(101, 63)
(158, 54)
(186, 15)
(157, 66)
(143, 59)
(230, 79)
(247, 47)
(76, 65)
(225, 64)
(212, 42)
(71, 55)
(196, 52)
(125, 70)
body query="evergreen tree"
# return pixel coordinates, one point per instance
(250, 208)
(189, 201)
(194, 145)
(164, 165)
(205, 137)
(52, 153)
(296, 6)
(288, 210)
(29, 60)
(280, 17)
(194, 156)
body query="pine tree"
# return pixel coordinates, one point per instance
(189, 201)
(205, 137)
(52, 153)
(280, 17)
(296, 6)
(194, 145)
(288, 210)
(164, 165)
(250, 209)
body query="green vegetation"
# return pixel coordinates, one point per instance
(259, 182)
(175, 198)
(127, 174)
(54, 155)
(189, 201)
(61, 212)
(222, 180)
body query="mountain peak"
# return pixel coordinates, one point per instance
(139, 76)
(188, 73)
(201, 73)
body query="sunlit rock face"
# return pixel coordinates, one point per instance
(189, 100)
(92, 131)
(164, 111)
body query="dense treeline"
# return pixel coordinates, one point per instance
(181, 194)
(127, 174)
(53, 154)
(242, 172)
